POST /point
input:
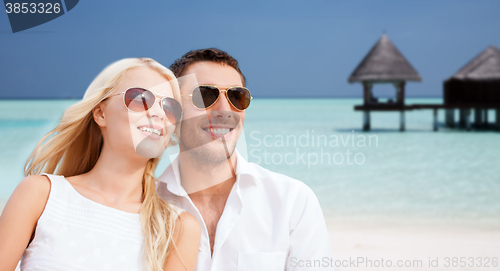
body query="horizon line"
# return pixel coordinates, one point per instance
(262, 97)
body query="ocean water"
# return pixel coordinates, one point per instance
(416, 176)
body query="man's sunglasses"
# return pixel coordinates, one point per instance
(205, 96)
(141, 100)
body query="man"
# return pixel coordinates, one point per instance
(251, 218)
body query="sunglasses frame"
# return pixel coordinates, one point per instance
(156, 98)
(218, 97)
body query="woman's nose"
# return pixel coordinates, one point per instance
(156, 110)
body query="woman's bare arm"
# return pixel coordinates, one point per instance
(19, 218)
(187, 242)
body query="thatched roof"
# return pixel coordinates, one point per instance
(384, 62)
(484, 67)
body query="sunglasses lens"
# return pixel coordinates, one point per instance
(172, 109)
(138, 99)
(205, 96)
(239, 97)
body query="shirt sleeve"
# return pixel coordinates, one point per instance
(309, 242)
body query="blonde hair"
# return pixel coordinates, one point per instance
(74, 146)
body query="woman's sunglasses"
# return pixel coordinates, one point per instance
(204, 96)
(141, 100)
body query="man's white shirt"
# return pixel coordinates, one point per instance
(270, 222)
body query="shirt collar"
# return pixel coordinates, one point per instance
(245, 172)
(171, 178)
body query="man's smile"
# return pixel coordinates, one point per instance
(218, 131)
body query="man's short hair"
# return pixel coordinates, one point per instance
(209, 54)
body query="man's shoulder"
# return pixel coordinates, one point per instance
(278, 182)
(292, 195)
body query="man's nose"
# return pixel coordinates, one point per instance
(222, 103)
(222, 115)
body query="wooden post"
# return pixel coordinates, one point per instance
(397, 86)
(367, 92)
(498, 118)
(450, 118)
(435, 119)
(478, 114)
(403, 92)
(467, 119)
(485, 118)
(462, 122)
(366, 120)
(402, 121)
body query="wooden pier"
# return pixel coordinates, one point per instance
(464, 121)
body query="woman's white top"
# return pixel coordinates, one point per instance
(76, 233)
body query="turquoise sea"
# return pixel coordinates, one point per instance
(416, 176)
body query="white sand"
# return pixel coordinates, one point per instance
(402, 243)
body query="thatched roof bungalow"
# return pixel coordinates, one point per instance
(478, 82)
(384, 63)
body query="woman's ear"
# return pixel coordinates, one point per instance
(98, 114)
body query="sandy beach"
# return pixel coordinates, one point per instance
(357, 247)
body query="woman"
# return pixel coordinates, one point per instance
(103, 212)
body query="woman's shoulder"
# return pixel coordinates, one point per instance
(183, 216)
(35, 187)
(29, 197)
(188, 222)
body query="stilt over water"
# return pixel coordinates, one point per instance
(462, 121)
(402, 121)
(450, 118)
(479, 117)
(366, 121)
(435, 119)
(467, 119)
(486, 117)
(498, 118)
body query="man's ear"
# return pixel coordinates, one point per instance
(98, 114)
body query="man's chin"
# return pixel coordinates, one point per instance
(212, 153)
(218, 148)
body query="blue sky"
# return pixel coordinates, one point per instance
(285, 49)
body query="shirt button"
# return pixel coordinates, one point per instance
(201, 248)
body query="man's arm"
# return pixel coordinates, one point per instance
(309, 241)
